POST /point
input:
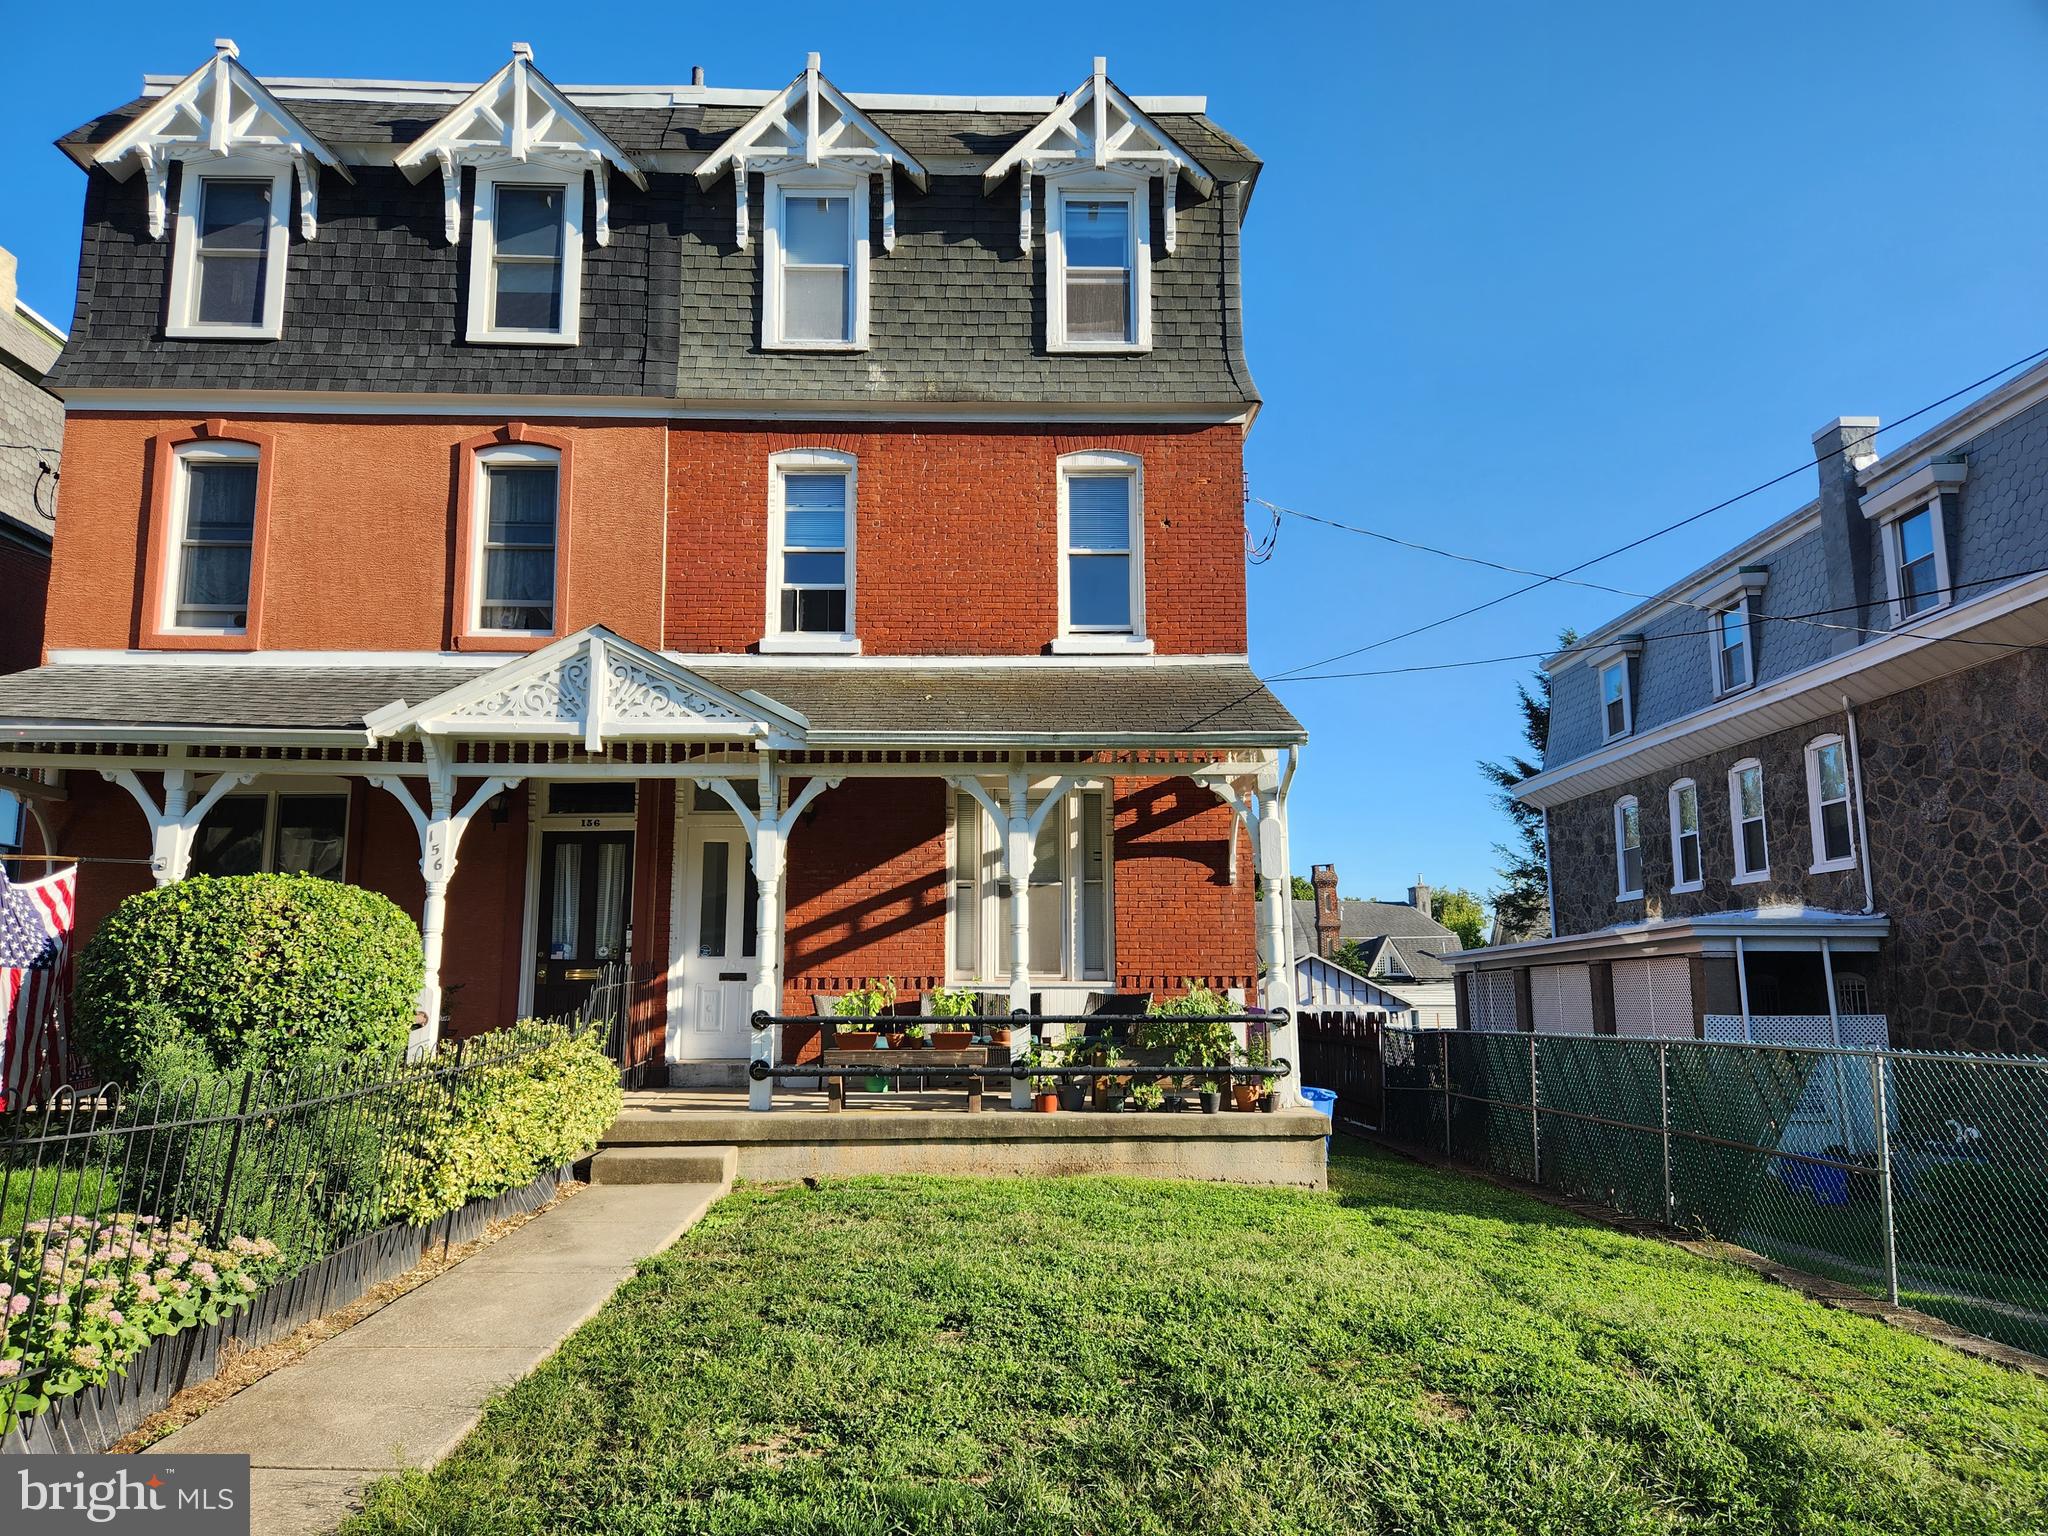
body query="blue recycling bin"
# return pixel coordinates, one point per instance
(1324, 1102)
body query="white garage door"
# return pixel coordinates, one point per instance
(1561, 999)
(1653, 997)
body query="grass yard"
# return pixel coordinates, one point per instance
(1413, 1352)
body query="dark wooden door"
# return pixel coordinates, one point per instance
(586, 892)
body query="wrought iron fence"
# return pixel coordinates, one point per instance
(1918, 1176)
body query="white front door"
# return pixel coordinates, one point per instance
(713, 952)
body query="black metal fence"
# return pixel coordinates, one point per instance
(1918, 1176)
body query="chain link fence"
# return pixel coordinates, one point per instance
(1917, 1176)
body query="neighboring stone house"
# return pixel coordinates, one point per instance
(1802, 794)
(776, 536)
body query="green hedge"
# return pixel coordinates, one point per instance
(244, 972)
(501, 1125)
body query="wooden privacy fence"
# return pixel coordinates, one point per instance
(1341, 1051)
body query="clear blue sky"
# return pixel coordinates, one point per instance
(1524, 280)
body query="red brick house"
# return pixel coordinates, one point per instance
(777, 537)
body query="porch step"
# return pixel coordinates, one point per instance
(666, 1165)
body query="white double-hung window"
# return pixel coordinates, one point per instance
(1746, 811)
(1101, 554)
(1827, 803)
(1628, 849)
(228, 258)
(811, 528)
(1068, 893)
(1098, 266)
(526, 258)
(213, 510)
(519, 488)
(815, 259)
(1911, 524)
(1685, 837)
(1731, 647)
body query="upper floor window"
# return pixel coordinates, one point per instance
(1098, 268)
(1102, 561)
(213, 522)
(811, 552)
(1732, 660)
(526, 258)
(1746, 810)
(1916, 558)
(228, 260)
(1614, 700)
(1827, 801)
(1628, 849)
(815, 255)
(519, 490)
(1068, 893)
(1685, 836)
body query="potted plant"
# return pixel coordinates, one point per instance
(952, 1003)
(1246, 1092)
(914, 1033)
(868, 1002)
(1146, 1096)
(1189, 1030)
(1045, 1093)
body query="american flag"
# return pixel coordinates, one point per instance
(35, 971)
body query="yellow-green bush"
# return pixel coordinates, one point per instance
(539, 1098)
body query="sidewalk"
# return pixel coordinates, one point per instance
(402, 1387)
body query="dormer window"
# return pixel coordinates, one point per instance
(1909, 513)
(228, 262)
(1729, 606)
(1731, 647)
(1098, 269)
(815, 258)
(526, 259)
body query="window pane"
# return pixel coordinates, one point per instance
(220, 500)
(711, 900)
(1099, 512)
(1099, 591)
(231, 289)
(565, 901)
(821, 611)
(231, 838)
(814, 511)
(11, 819)
(1098, 306)
(1631, 827)
(814, 231)
(1689, 857)
(1632, 869)
(706, 798)
(1688, 809)
(1834, 829)
(529, 222)
(814, 303)
(611, 901)
(1094, 888)
(1048, 920)
(750, 911)
(311, 832)
(1617, 717)
(814, 570)
(1919, 585)
(966, 887)
(529, 296)
(519, 576)
(1734, 648)
(1753, 861)
(1834, 781)
(233, 215)
(522, 501)
(591, 798)
(216, 575)
(1750, 786)
(1916, 537)
(1098, 234)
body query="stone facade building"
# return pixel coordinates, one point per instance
(1802, 794)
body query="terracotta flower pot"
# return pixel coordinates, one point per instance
(896, 1039)
(952, 1039)
(999, 1035)
(1045, 1103)
(1244, 1096)
(856, 1040)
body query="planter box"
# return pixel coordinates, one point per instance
(87, 1422)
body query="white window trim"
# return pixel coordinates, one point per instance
(480, 527)
(1723, 689)
(993, 918)
(483, 244)
(204, 451)
(1628, 713)
(1743, 874)
(1098, 186)
(779, 188)
(1822, 864)
(1679, 885)
(1622, 889)
(182, 322)
(1093, 640)
(1888, 530)
(774, 639)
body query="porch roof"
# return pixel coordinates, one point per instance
(1712, 933)
(846, 702)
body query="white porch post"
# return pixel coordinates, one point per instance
(1271, 852)
(174, 826)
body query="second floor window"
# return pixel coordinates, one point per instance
(1102, 566)
(1096, 270)
(811, 553)
(1731, 647)
(816, 266)
(1628, 849)
(1685, 836)
(515, 556)
(227, 273)
(525, 260)
(215, 513)
(1746, 808)
(1614, 708)
(1827, 793)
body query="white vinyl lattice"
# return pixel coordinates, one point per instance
(1653, 997)
(1860, 1031)
(1561, 998)
(1493, 1001)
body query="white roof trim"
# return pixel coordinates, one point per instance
(1097, 125)
(793, 130)
(516, 117)
(1744, 581)
(1714, 932)
(593, 687)
(1924, 484)
(218, 110)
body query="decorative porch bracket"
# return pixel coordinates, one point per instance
(1021, 824)
(440, 829)
(173, 825)
(768, 851)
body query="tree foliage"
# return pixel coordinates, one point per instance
(1522, 903)
(1461, 912)
(1304, 888)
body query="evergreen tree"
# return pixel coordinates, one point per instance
(1522, 904)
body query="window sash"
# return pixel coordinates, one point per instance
(231, 259)
(216, 543)
(1101, 552)
(1685, 829)
(1098, 298)
(808, 601)
(1628, 834)
(1614, 692)
(1069, 890)
(1734, 647)
(1752, 846)
(1833, 843)
(275, 831)
(521, 265)
(518, 550)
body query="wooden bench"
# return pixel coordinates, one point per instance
(839, 1065)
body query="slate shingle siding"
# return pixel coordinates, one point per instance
(672, 306)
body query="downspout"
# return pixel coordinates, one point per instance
(1862, 826)
(1549, 879)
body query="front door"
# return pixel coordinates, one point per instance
(713, 961)
(586, 882)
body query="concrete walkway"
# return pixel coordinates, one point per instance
(405, 1385)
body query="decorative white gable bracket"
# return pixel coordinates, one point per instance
(593, 687)
(218, 110)
(1097, 126)
(174, 823)
(517, 117)
(809, 124)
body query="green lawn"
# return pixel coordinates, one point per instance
(1413, 1352)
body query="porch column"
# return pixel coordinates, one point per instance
(1271, 851)
(174, 825)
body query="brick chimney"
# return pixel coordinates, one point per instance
(1418, 896)
(1329, 916)
(1841, 448)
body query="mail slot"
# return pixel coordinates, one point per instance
(580, 973)
(732, 975)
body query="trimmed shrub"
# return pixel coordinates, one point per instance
(247, 972)
(503, 1123)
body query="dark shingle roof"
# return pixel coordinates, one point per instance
(1205, 700)
(1417, 937)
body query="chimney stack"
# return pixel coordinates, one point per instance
(1843, 447)
(1418, 896)
(1329, 916)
